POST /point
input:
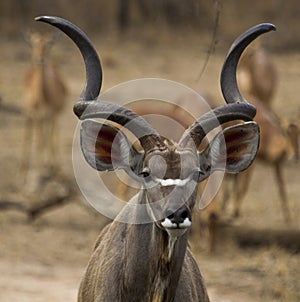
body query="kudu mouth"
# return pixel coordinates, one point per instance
(176, 229)
(177, 223)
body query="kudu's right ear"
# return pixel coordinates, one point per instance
(106, 148)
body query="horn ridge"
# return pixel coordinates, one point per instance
(214, 118)
(118, 114)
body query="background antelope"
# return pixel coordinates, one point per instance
(257, 79)
(257, 74)
(44, 99)
(277, 145)
(148, 259)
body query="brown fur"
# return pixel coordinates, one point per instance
(276, 147)
(44, 99)
(257, 73)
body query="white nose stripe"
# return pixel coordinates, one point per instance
(172, 182)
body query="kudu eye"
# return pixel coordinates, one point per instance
(197, 175)
(145, 172)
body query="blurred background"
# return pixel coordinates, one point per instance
(193, 15)
(47, 231)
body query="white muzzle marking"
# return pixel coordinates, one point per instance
(174, 229)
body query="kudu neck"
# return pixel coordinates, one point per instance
(154, 261)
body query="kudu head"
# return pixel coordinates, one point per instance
(168, 171)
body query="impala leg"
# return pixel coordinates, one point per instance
(213, 222)
(52, 143)
(25, 161)
(225, 192)
(213, 218)
(40, 127)
(241, 185)
(282, 192)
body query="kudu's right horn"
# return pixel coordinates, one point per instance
(88, 106)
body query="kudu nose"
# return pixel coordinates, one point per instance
(178, 216)
(177, 222)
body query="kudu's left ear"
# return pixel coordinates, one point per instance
(232, 150)
(106, 148)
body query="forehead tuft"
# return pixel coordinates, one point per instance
(171, 146)
(172, 162)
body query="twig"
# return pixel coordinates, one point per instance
(39, 209)
(6, 205)
(9, 108)
(52, 203)
(213, 41)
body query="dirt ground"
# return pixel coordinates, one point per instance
(45, 259)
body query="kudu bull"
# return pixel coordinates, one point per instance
(44, 98)
(149, 259)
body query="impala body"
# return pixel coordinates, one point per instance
(277, 145)
(257, 77)
(44, 99)
(257, 74)
(143, 254)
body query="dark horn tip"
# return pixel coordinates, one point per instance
(54, 20)
(249, 35)
(47, 19)
(40, 18)
(268, 26)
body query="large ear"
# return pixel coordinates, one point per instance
(232, 150)
(106, 148)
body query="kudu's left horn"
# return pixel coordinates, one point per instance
(237, 107)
